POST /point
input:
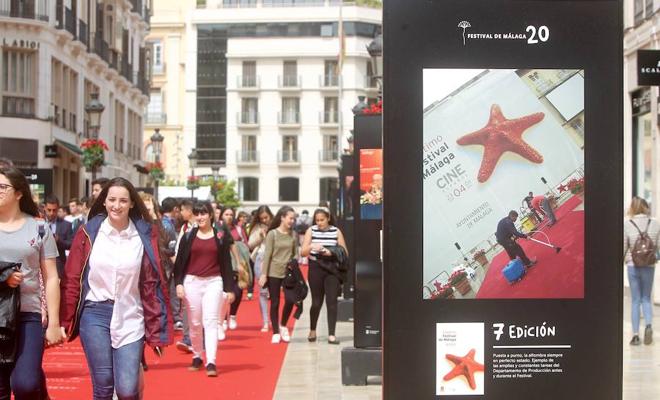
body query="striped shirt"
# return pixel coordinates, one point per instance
(326, 237)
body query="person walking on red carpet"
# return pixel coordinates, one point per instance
(114, 292)
(27, 252)
(240, 239)
(280, 249)
(505, 234)
(257, 244)
(640, 271)
(202, 272)
(542, 204)
(324, 275)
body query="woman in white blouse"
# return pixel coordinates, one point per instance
(115, 294)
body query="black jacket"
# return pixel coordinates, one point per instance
(64, 235)
(506, 230)
(295, 288)
(223, 241)
(336, 263)
(10, 304)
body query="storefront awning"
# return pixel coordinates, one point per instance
(72, 148)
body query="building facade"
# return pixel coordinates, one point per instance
(267, 94)
(55, 54)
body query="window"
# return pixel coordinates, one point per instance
(159, 65)
(288, 189)
(249, 78)
(248, 189)
(248, 148)
(330, 78)
(330, 148)
(18, 89)
(290, 74)
(327, 30)
(239, 3)
(330, 106)
(290, 110)
(328, 189)
(64, 95)
(289, 149)
(250, 107)
(155, 113)
(120, 126)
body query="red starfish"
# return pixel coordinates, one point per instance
(465, 366)
(501, 135)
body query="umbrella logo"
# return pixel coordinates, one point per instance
(464, 25)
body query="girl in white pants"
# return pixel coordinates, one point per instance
(202, 272)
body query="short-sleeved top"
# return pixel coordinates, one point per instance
(25, 245)
(204, 258)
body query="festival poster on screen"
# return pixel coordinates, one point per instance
(504, 146)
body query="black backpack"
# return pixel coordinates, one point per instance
(643, 252)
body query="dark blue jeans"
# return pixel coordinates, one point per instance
(25, 377)
(111, 369)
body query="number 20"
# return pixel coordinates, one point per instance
(544, 34)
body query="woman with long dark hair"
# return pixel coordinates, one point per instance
(280, 249)
(25, 241)
(256, 242)
(202, 273)
(114, 293)
(324, 278)
(240, 259)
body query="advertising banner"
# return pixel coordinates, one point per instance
(502, 228)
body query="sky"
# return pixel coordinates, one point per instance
(438, 83)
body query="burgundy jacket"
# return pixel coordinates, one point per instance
(153, 286)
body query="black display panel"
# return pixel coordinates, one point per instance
(502, 229)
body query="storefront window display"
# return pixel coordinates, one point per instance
(642, 144)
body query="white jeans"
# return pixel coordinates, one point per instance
(202, 298)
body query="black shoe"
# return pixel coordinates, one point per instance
(211, 371)
(648, 335)
(196, 364)
(311, 339)
(635, 341)
(531, 264)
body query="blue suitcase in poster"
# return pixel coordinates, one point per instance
(514, 270)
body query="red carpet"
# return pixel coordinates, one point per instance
(248, 366)
(556, 275)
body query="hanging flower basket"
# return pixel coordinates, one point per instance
(192, 183)
(156, 170)
(93, 153)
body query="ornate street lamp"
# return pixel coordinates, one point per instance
(192, 180)
(157, 146)
(375, 49)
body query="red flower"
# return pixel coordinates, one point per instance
(220, 235)
(375, 108)
(90, 143)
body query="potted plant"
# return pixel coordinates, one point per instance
(443, 291)
(480, 257)
(192, 183)
(375, 108)
(93, 155)
(459, 280)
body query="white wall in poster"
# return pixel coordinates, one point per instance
(458, 208)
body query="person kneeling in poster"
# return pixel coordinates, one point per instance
(506, 232)
(542, 204)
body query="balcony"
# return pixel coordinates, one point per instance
(21, 107)
(329, 119)
(247, 82)
(247, 119)
(330, 157)
(288, 157)
(288, 119)
(83, 33)
(155, 119)
(235, 3)
(126, 69)
(289, 82)
(247, 157)
(38, 10)
(159, 69)
(329, 81)
(101, 47)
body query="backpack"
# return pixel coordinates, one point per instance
(644, 250)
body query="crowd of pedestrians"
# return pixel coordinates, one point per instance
(123, 273)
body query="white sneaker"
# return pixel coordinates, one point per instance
(224, 324)
(265, 328)
(221, 334)
(284, 332)
(232, 322)
(275, 339)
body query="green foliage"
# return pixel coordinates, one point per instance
(223, 191)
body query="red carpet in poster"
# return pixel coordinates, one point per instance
(556, 275)
(248, 366)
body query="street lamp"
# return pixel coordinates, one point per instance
(94, 109)
(157, 145)
(375, 49)
(192, 158)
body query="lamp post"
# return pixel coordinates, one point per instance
(157, 145)
(94, 109)
(192, 158)
(375, 49)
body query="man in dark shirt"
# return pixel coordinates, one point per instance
(506, 231)
(61, 230)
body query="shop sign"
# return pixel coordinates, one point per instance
(20, 43)
(641, 101)
(648, 67)
(50, 151)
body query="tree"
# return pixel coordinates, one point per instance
(225, 193)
